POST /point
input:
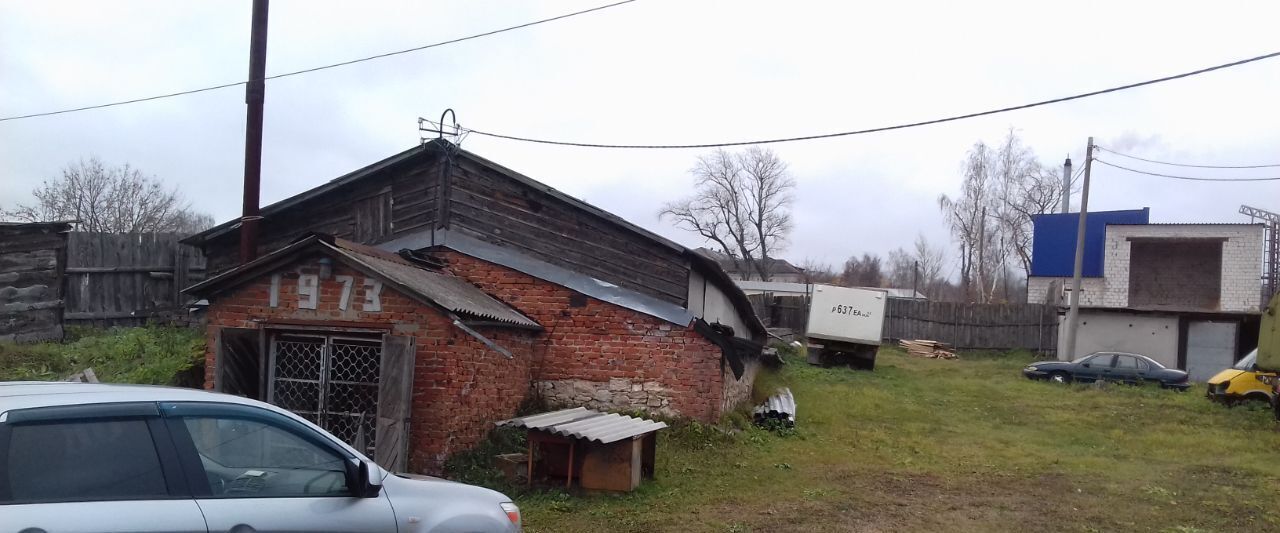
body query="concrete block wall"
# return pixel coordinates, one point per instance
(1241, 260)
(1092, 291)
(1241, 265)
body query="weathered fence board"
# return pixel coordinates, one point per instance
(974, 326)
(32, 257)
(777, 311)
(124, 279)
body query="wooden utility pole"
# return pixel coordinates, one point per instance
(255, 95)
(1073, 314)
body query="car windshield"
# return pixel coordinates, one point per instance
(1247, 363)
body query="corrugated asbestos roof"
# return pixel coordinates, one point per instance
(600, 290)
(583, 423)
(450, 292)
(781, 406)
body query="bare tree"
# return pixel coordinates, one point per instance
(865, 271)
(901, 268)
(930, 261)
(111, 199)
(991, 221)
(742, 203)
(966, 215)
(814, 271)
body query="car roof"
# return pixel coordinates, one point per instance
(29, 394)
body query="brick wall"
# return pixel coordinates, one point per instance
(460, 386)
(600, 355)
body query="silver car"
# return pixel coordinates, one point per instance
(90, 457)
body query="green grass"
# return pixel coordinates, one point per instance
(151, 355)
(968, 445)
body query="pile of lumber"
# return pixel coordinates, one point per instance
(928, 349)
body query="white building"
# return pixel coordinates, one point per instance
(1187, 295)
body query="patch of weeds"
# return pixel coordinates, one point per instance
(778, 427)
(782, 466)
(478, 466)
(152, 355)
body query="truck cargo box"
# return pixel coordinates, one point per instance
(846, 315)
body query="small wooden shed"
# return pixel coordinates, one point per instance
(604, 451)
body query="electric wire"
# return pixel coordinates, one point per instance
(1270, 165)
(878, 129)
(1188, 178)
(321, 67)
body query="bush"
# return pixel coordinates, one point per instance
(152, 355)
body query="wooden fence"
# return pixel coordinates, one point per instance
(777, 311)
(974, 326)
(124, 279)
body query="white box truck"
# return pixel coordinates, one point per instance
(845, 326)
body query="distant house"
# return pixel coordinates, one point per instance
(1185, 294)
(780, 270)
(435, 291)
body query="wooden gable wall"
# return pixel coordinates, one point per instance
(482, 203)
(485, 204)
(378, 208)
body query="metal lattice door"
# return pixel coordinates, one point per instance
(331, 381)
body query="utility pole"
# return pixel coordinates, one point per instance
(915, 279)
(1066, 186)
(1073, 314)
(255, 95)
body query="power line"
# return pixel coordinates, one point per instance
(883, 128)
(322, 67)
(1185, 164)
(1189, 178)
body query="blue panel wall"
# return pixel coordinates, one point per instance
(1053, 250)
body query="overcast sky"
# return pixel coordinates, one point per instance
(657, 71)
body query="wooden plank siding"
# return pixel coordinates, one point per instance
(391, 203)
(506, 212)
(484, 203)
(32, 260)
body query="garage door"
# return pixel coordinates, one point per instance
(1211, 347)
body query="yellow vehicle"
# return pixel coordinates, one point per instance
(1241, 383)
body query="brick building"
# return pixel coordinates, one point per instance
(1188, 295)
(492, 289)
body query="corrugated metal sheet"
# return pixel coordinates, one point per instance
(451, 292)
(595, 288)
(780, 406)
(583, 423)
(1053, 248)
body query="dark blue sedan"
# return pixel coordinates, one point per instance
(1109, 366)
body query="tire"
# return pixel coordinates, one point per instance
(1059, 376)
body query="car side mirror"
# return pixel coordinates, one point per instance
(1086, 365)
(362, 478)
